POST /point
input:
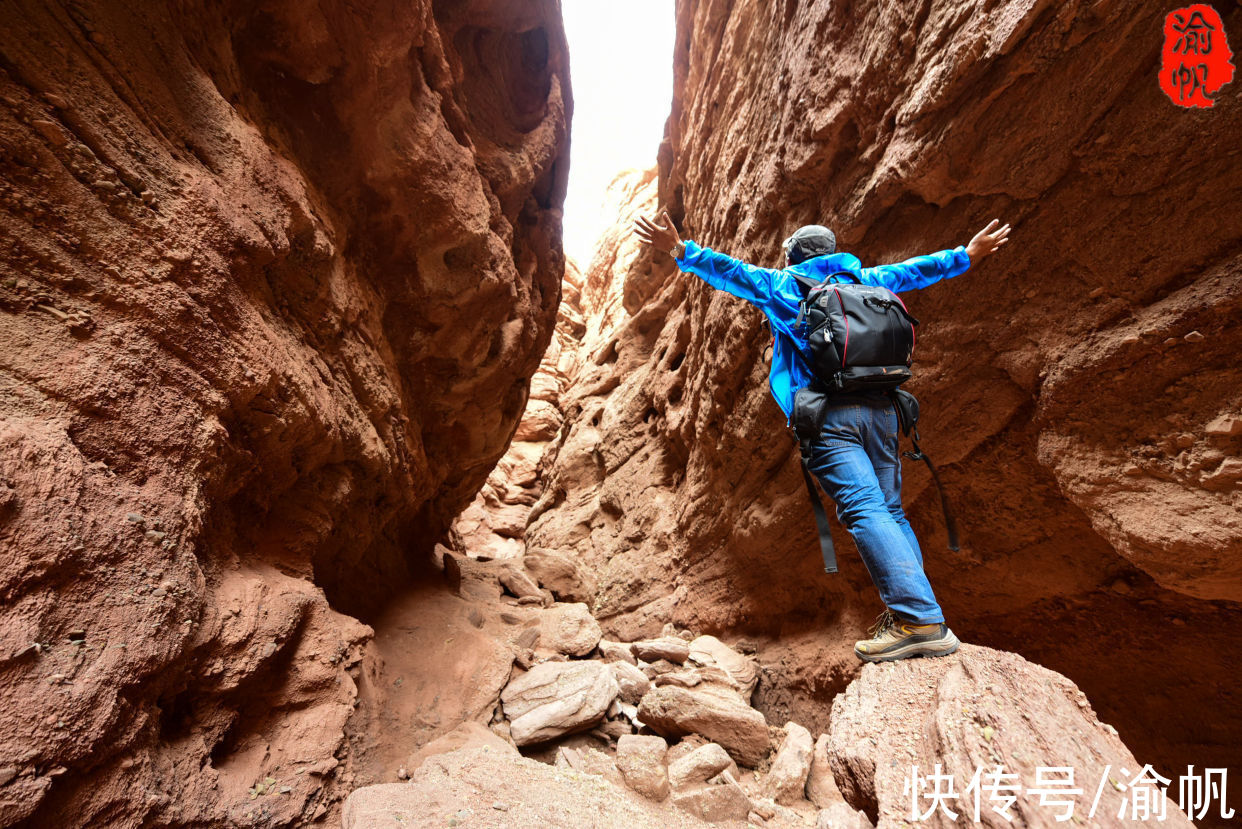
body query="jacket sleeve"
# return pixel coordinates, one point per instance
(751, 283)
(920, 271)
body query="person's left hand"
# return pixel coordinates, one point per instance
(662, 237)
(987, 240)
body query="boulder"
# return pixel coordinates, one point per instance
(654, 669)
(699, 766)
(684, 746)
(821, 788)
(641, 763)
(716, 803)
(616, 652)
(977, 708)
(466, 735)
(684, 677)
(671, 648)
(556, 698)
(741, 670)
(517, 581)
(569, 629)
(786, 781)
(740, 729)
(560, 574)
(842, 816)
(632, 682)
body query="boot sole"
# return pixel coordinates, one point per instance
(913, 649)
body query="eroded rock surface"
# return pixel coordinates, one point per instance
(982, 709)
(273, 281)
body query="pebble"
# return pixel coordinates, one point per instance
(500, 807)
(134, 517)
(1193, 337)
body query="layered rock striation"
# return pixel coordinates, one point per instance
(273, 282)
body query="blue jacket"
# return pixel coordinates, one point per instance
(777, 294)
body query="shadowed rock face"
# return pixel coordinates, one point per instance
(273, 281)
(1079, 390)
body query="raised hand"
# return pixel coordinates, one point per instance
(663, 237)
(987, 240)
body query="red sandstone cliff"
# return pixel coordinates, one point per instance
(1079, 389)
(273, 281)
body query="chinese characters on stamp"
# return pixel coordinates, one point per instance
(1195, 59)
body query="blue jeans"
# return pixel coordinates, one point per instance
(856, 459)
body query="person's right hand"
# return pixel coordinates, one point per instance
(662, 237)
(987, 240)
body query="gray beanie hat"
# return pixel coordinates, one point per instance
(808, 242)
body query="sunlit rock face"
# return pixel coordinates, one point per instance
(1079, 388)
(273, 281)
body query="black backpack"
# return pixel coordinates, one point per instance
(860, 338)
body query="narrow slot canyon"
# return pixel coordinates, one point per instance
(333, 492)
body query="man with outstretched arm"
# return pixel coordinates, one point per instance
(855, 456)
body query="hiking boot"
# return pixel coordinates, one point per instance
(894, 638)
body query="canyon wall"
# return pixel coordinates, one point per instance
(1078, 388)
(493, 525)
(273, 281)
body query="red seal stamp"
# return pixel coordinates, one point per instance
(1195, 60)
